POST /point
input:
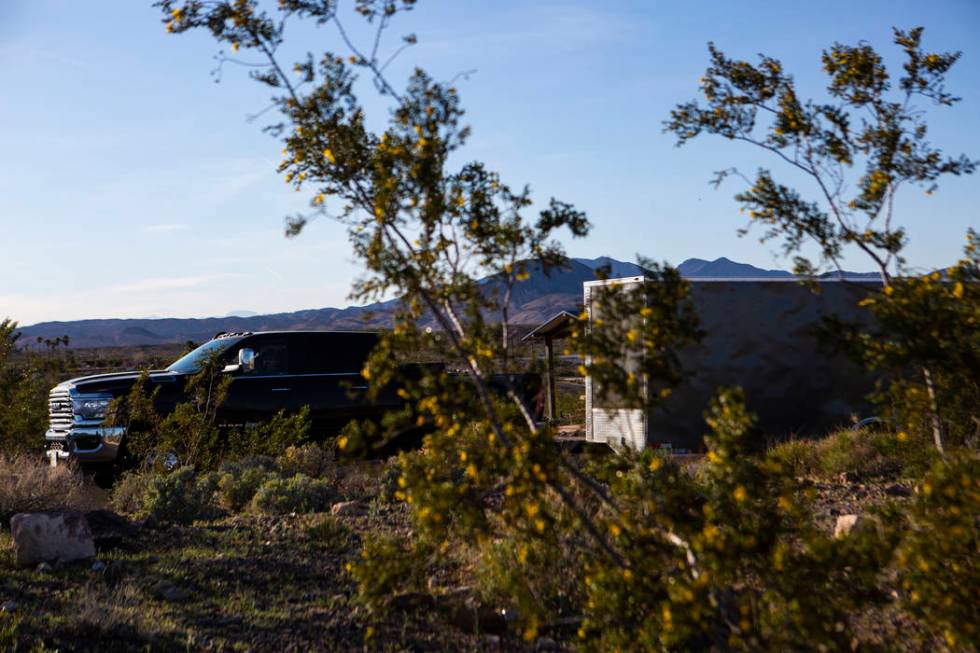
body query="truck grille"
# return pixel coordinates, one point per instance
(60, 410)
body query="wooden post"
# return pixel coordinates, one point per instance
(550, 408)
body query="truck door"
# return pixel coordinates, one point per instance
(326, 369)
(256, 395)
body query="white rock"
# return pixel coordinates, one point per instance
(846, 523)
(49, 536)
(348, 509)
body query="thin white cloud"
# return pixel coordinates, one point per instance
(165, 283)
(164, 228)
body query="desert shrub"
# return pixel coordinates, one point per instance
(938, 565)
(236, 489)
(874, 453)
(313, 460)
(718, 561)
(388, 486)
(190, 431)
(272, 437)
(390, 566)
(297, 494)
(29, 484)
(25, 378)
(360, 479)
(847, 451)
(570, 406)
(332, 533)
(862, 452)
(797, 457)
(540, 579)
(181, 496)
(129, 491)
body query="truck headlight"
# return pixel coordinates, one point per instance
(90, 408)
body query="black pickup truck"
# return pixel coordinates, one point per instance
(270, 371)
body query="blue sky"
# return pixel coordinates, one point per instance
(132, 185)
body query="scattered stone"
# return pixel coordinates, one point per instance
(546, 644)
(173, 593)
(492, 640)
(8, 606)
(348, 509)
(898, 490)
(848, 477)
(48, 536)
(847, 524)
(98, 565)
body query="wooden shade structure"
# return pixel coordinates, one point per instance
(555, 328)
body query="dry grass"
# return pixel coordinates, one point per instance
(29, 484)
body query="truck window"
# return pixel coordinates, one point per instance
(330, 353)
(271, 356)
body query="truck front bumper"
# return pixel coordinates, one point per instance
(86, 444)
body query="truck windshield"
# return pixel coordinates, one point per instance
(194, 361)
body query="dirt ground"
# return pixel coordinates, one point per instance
(260, 583)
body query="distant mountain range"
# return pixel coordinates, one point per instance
(533, 301)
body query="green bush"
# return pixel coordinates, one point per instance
(181, 496)
(390, 566)
(863, 452)
(332, 533)
(130, 490)
(388, 480)
(297, 494)
(311, 459)
(272, 437)
(236, 489)
(25, 378)
(938, 561)
(729, 560)
(797, 457)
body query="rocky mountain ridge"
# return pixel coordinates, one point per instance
(533, 301)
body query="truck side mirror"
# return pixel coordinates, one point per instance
(246, 359)
(246, 362)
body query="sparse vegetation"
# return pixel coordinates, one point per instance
(26, 376)
(181, 496)
(863, 453)
(490, 525)
(298, 493)
(28, 484)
